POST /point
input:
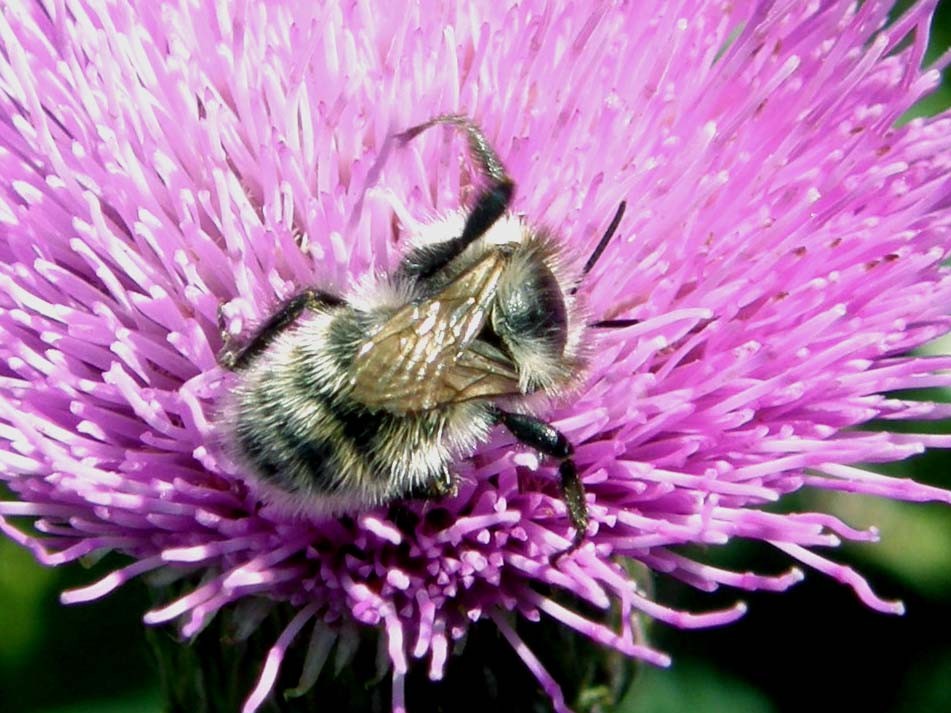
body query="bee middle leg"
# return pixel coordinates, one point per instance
(549, 440)
(232, 357)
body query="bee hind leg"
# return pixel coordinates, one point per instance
(549, 440)
(491, 203)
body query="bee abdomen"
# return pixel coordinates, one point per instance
(337, 450)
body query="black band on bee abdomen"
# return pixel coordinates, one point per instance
(287, 455)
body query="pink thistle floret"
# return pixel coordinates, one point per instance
(782, 250)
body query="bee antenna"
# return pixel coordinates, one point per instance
(602, 244)
(614, 323)
(606, 238)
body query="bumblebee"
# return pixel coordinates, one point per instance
(347, 403)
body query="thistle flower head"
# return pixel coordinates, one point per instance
(782, 251)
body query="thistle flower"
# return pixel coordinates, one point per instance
(782, 250)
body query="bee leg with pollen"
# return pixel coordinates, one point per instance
(442, 486)
(550, 441)
(233, 358)
(491, 203)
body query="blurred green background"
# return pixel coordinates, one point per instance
(813, 648)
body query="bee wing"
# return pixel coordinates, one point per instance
(423, 355)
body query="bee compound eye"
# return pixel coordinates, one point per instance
(533, 310)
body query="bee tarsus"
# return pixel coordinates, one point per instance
(572, 490)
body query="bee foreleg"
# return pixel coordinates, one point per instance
(492, 202)
(550, 441)
(237, 358)
(535, 433)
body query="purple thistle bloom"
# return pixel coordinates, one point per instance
(783, 249)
